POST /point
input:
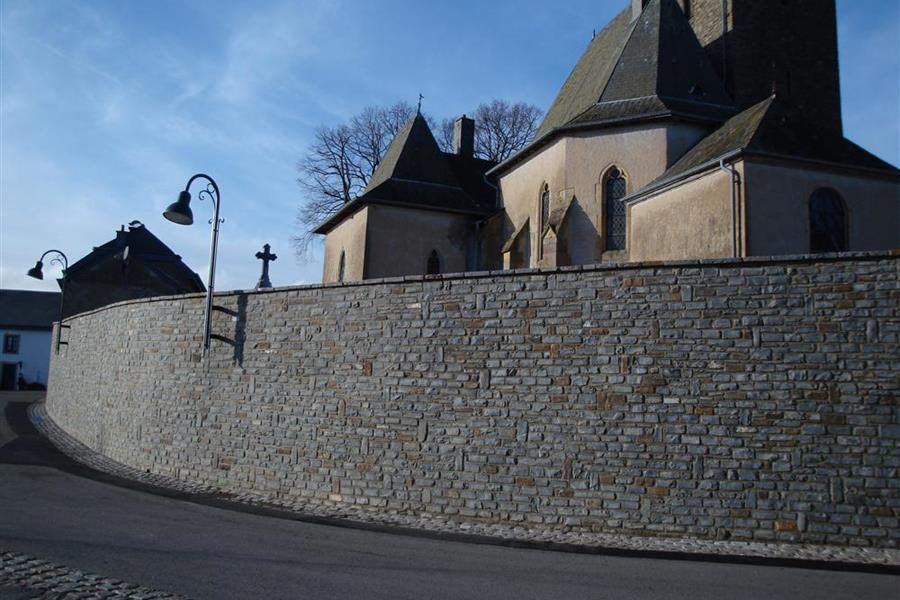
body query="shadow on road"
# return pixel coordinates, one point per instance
(22, 444)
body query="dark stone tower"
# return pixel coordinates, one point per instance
(786, 46)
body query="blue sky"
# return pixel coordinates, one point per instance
(108, 106)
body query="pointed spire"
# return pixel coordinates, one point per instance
(663, 58)
(655, 61)
(414, 155)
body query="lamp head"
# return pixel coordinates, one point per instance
(180, 212)
(37, 271)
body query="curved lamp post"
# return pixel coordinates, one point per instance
(180, 213)
(37, 272)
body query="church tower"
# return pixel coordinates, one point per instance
(786, 46)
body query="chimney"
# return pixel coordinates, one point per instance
(464, 137)
(637, 7)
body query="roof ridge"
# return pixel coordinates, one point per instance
(618, 57)
(769, 102)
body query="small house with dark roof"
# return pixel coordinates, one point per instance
(135, 264)
(421, 213)
(689, 129)
(26, 329)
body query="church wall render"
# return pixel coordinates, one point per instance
(755, 399)
(697, 218)
(772, 213)
(778, 208)
(348, 238)
(577, 164)
(404, 238)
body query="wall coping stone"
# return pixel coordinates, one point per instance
(754, 261)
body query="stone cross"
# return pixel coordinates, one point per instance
(266, 256)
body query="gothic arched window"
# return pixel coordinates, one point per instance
(614, 191)
(341, 267)
(827, 222)
(545, 206)
(434, 263)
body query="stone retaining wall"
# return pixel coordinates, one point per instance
(744, 400)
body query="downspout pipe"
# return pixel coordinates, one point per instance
(735, 182)
(479, 224)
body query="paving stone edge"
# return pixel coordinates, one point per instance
(43, 579)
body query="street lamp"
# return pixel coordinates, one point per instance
(37, 272)
(180, 213)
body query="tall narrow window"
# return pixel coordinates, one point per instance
(11, 343)
(827, 222)
(434, 263)
(545, 218)
(341, 267)
(614, 191)
(545, 206)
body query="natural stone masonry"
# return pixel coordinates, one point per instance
(751, 400)
(51, 581)
(579, 541)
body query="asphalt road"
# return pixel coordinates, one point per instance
(61, 512)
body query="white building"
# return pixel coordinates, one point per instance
(26, 325)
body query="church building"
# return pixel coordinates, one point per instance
(689, 129)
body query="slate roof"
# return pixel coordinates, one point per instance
(773, 129)
(21, 309)
(413, 155)
(141, 246)
(647, 68)
(415, 173)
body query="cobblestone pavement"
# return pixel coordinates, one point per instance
(559, 539)
(42, 580)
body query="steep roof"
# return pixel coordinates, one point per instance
(586, 83)
(413, 155)
(771, 128)
(22, 309)
(652, 64)
(415, 173)
(646, 68)
(137, 243)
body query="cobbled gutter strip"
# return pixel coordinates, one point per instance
(49, 581)
(589, 541)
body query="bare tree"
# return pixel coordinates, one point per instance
(444, 135)
(341, 160)
(502, 129)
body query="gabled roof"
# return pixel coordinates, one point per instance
(772, 129)
(21, 309)
(415, 173)
(637, 69)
